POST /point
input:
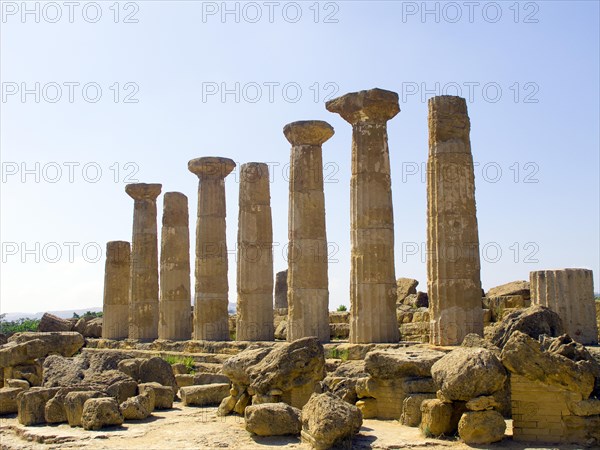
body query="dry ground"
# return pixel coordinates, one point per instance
(199, 428)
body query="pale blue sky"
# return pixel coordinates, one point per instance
(543, 126)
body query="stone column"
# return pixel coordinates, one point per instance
(143, 301)
(281, 290)
(570, 294)
(175, 297)
(453, 268)
(115, 323)
(211, 317)
(255, 256)
(372, 277)
(308, 290)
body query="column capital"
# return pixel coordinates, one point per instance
(143, 191)
(211, 167)
(308, 132)
(374, 105)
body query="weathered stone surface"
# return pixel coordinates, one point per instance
(115, 383)
(73, 405)
(175, 292)
(157, 370)
(131, 367)
(163, 395)
(93, 328)
(483, 403)
(499, 307)
(255, 256)
(54, 411)
(184, 380)
(237, 367)
(50, 322)
(542, 412)
(403, 362)
(14, 383)
(533, 321)
(117, 280)
(136, 408)
(473, 340)
(272, 419)
(368, 408)
(227, 405)
(288, 366)
(350, 369)
(418, 300)
(143, 303)
(339, 330)
(513, 288)
(344, 388)
(411, 409)
(212, 287)
(466, 373)
(99, 413)
(281, 330)
(281, 288)
(24, 347)
(589, 407)
(436, 418)
(308, 294)
(569, 293)
(453, 266)
(405, 287)
(524, 356)
(415, 332)
(8, 399)
(328, 421)
(204, 395)
(481, 427)
(90, 369)
(31, 405)
(30, 372)
(373, 287)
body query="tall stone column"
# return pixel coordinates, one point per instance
(570, 294)
(115, 323)
(372, 277)
(453, 268)
(308, 290)
(175, 297)
(211, 317)
(281, 290)
(255, 256)
(143, 302)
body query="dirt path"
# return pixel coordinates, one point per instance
(200, 428)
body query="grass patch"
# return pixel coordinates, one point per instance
(334, 353)
(187, 361)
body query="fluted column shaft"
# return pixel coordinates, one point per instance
(570, 294)
(255, 256)
(453, 266)
(308, 285)
(372, 276)
(143, 305)
(175, 296)
(211, 317)
(115, 322)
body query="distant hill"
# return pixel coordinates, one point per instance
(67, 314)
(38, 315)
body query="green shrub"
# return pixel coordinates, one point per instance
(18, 326)
(342, 308)
(187, 361)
